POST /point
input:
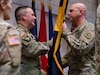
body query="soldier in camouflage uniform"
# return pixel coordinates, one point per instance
(97, 44)
(31, 50)
(80, 50)
(10, 45)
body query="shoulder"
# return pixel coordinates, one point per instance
(20, 28)
(8, 31)
(88, 33)
(24, 34)
(98, 11)
(6, 27)
(89, 26)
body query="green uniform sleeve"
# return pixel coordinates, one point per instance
(81, 44)
(32, 48)
(65, 61)
(10, 49)
(49, 43)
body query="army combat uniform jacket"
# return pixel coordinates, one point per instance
(97, 44)
(10, 49)
(80, 51)
(30, 64)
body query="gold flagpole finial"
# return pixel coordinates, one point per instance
(34, 1)
(42, 3)
(49, 6)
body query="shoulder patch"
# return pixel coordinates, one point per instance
(13, 40)
(21, 33)
(27, 39)
(87, 35)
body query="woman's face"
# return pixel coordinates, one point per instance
(7, 10)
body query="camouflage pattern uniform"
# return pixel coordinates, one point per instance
(97, 44)
(80, 51)
(30, 64)
(10, 49)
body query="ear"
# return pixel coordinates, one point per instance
(23, 17)
(81, 12)
(2, 5)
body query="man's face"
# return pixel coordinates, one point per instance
(73, 13)
(30, 18)
(7, 10)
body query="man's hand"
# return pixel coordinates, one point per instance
(65, 27)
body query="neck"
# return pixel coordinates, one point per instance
(1, 15)
(79, 21)
(23, 24)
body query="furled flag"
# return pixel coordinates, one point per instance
(34, 29)
(55, 64)
(43, 36)
(50, 22)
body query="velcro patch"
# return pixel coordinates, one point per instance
(87, 35)
(13, 40)
(22, 34)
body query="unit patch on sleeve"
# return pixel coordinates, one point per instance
(13, 40)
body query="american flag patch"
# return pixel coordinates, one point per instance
(13, 40)
(22, 34)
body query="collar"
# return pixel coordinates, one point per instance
(21, 26)
(80, 27)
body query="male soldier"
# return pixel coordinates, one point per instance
(80, 54)
(97, 43)
(30, 64)
(10, 46)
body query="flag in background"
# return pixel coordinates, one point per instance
(54, 58)
(50, 27)
(43, 36)
(34, 29)
(50, 22)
